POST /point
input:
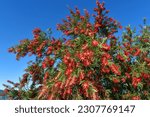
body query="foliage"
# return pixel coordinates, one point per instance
(90, 63)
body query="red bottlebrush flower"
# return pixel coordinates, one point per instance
(69, 91)
(25, 78)
(90, 72)
(6, 91)
(126, 53)
(49, 50)
(115, 69)
(36, 31)
(46, 76)
(126, 44)
(128, 29)
(86, 63)
(66, 58)
(115, 80)
(88, 25)
(115, 89)
(82, 31)
(68, 71)
(105, 70)
(44, 65)
(18, 50)
(138, 51)
(95, 43)
(111, 19)
(104, 61)
(62, 85)
(120, 26)
(146, 93)
(127, 75)
(135, 81)
(147, 60)
(68, 32)
(81, 75)
(39, 55)
(57, 85)
(123, 80)
(108, 56)
(73, 81)
(67, 82)
(85, 46)
(97, 25)
(119, 57)
(136, 98)
(43, 91)
(86, 93)
(77, 12)
(50, 97)
(68, 18)
(11, 50)
(36, 36)
(85, 85)
(145, 75)
(105, 47)
(51, 62)
(81, 56)
(95, 96)
(145, 40)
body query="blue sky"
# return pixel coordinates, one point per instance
(19, 17)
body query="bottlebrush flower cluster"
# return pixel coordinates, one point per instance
(93, 62)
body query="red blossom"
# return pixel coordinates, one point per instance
(115, 69)
(105, 70)
(85, 85)
(104, 61)
(115, 80)
(138, 51)
(127, 75)
(136, 81)
(36, 31)
(95, 43)
(119, 57)
(105, 47)
(136, 98)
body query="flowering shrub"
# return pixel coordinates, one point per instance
(89, 63)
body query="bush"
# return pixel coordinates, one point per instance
(88, 62)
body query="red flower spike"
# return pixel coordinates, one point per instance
(115, 69)
(49, 50)
(135, 81)
(85, 85)
(69, 91)
(36, 30)
(108, 56)
(104, 61)
(95, 43)
(46, 76)
(136, 98)
(81, 75)
(105, 47)
(57, 85)
(127, 75)
(138, 51)
(105, 70)
(119, 57)
(115, 80)
(51, 97)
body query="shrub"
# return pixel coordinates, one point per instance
(89, 62)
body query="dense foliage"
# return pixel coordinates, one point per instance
(89, 62)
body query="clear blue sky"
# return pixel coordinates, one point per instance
(19, 17)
